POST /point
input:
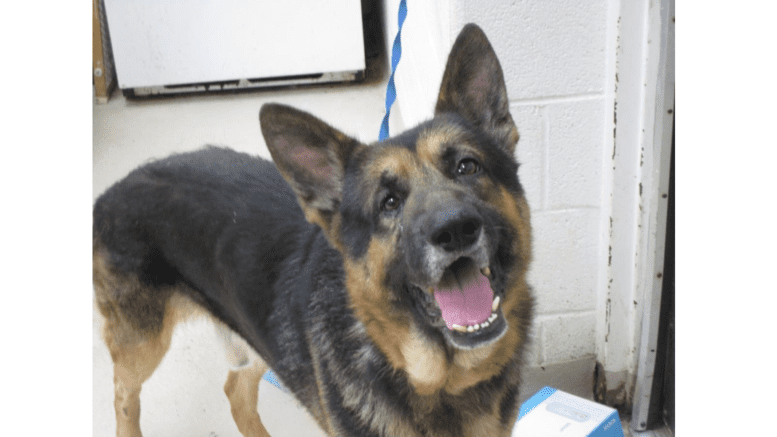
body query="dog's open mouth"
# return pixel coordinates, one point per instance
(464, 295)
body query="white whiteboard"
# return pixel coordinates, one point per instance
(161, 42)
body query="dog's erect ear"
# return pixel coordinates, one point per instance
(311, 156)
(473, 86)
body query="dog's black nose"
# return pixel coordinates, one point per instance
(457, 230)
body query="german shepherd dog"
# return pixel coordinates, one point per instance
(384, 284)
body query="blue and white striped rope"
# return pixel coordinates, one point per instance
(391, 90)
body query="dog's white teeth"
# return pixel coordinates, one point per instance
(486, 272)
(459, 328)
(477, 326)
(495, 304)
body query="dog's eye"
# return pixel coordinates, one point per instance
(390, 203)
(467, 166)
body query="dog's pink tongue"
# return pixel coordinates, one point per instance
(466, 306)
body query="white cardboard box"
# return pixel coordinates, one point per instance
(554, 413)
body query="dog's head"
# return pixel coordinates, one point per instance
(432, 224)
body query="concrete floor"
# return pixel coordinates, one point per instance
(184, 397)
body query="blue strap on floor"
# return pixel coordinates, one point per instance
(391, 90)
(270, 377)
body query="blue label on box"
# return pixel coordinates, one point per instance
(568, 412)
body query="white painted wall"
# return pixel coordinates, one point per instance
(570, 68)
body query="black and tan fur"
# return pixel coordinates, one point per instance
(321, 266)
